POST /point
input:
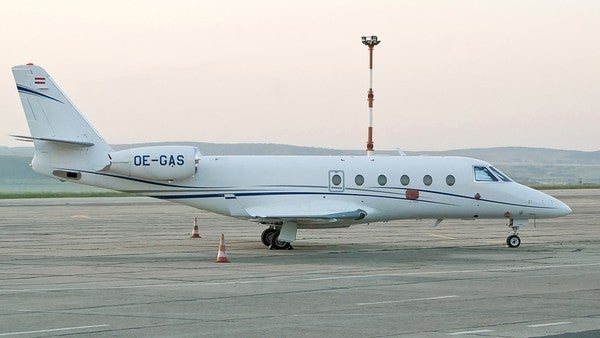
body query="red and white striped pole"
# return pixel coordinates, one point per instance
(371, 42)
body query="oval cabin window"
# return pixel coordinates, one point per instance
(336, 179)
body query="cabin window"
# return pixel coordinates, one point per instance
(450, 180)
(405, 180)
(336, 179)
(382, 180)
(500, 174)
(483, 174)
(427, 180)
(359, 180)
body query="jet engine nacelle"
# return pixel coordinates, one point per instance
(160, 163)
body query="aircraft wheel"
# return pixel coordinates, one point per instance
(513, 241)
(267, 236)
(276, 244)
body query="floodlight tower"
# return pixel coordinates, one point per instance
(371, 42)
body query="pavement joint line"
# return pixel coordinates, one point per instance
(132, 286)
(408, 300)
(469, 332)
(342, 315)
(417, 273)
(549, 324)
(54, 330)
(442, 236)
(18, 310)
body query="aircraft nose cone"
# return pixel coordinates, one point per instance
(548, 206)
(559, 208)
(564, 209)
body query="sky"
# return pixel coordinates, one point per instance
(447, 74)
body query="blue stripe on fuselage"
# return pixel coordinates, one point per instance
(236, 192)
(284, 193)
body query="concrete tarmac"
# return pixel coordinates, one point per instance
(128, 267)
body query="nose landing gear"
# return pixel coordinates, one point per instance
(513, 240)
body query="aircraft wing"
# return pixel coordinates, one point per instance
(339, 215)
(312, 220)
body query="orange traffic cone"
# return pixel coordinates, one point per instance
(222, 255)
(195, 233)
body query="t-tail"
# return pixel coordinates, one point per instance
(68, 147)
(63, 139)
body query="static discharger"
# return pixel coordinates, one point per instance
(371, 42)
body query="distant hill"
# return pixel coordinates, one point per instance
(538, 166)
(531, 166)
(250, 149)
(522, 155)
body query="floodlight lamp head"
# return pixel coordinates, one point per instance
(370, 41)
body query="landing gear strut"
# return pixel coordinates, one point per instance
(270, 238)
(513, 240)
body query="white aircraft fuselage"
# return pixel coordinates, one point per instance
(283, 192)
(276, 186)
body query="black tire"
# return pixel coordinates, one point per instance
(267, 236)
(513, 241)
(276, 244)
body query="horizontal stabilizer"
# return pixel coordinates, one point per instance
(72, 142)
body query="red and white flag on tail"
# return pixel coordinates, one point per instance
(40, 82)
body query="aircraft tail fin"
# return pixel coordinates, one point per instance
(61, 135)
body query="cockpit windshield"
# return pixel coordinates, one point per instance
(483, 174)
(489, 174)
(500, 174)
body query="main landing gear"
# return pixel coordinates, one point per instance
(270, 238)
